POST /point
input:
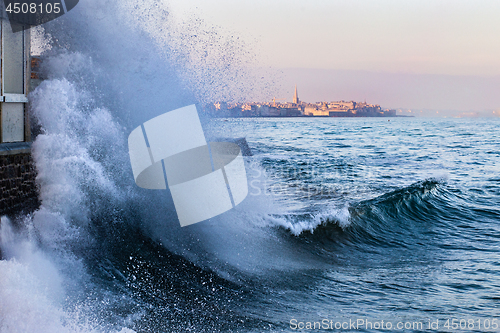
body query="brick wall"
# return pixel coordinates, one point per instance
(18, 191)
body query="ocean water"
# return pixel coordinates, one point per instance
(347, 220)
(393, 219)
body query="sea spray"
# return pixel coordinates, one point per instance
(298, 224)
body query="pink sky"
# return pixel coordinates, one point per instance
(438, 54)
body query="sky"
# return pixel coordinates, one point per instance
(447, 51)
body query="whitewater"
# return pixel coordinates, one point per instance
(345, 218)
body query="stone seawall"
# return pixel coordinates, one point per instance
(18, 191)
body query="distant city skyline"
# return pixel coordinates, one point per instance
(407, 91)
(420, 54)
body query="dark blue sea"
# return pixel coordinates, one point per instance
(392, 219)
(351, 224)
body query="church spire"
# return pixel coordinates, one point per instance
(296, 96)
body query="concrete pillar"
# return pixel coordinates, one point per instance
(17, 173)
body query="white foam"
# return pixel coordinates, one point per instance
(24, 304)
(32, 287)
(81, 153)
(41, 280)
(340, 216)
(63, 153)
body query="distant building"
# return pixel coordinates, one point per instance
(269, 111)
(342, 106)
(220, 106)
(312, 110)
(298, 109)
(341, 113)
(390, 113)
(296, 100)
(290, 112)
